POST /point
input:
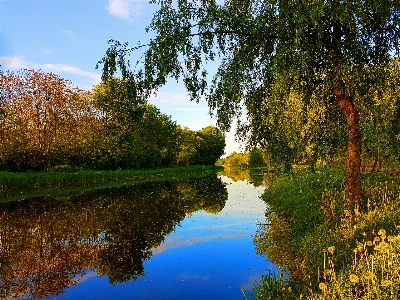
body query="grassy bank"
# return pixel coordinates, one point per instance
(19, 186)
(329, 249)
(10, 180)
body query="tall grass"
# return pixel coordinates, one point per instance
(331, 249)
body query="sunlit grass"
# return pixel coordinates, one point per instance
(66, 177)
(333, 250)
(374, 273)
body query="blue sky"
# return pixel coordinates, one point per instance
(68, 37)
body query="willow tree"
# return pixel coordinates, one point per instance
(265, 50)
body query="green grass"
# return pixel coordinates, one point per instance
(308, 214)
(67, 177)
(297, 193)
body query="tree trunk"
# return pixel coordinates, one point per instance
(345, 100)
(353, 163)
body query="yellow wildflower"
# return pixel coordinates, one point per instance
(376, 239)
(391, 238)
(385, 282)
(331, 249)
(360, 246)
(382, 232)
(354, 278)
(322, 286)
(369, 243)
(384, 247)
(368, 275)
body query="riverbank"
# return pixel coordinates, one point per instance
(65, 177)
(328, 249)
(17, 186)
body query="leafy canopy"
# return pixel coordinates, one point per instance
(265, 48)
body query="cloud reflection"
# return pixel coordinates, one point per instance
(182, 241)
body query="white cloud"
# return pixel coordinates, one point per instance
(67, 31)
(119, 8)
(16, 62)
(19, 62)
(124, 8)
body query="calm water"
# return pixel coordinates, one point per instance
(171, 240)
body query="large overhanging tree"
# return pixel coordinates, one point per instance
(268, 49)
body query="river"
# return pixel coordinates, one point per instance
(189, 239)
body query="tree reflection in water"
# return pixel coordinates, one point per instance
(256, 176)
(48, 244)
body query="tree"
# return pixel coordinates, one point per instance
(187, 142)
(137, 134)
(267, 50)
(40, 114)
(209, 147)
(156, 133)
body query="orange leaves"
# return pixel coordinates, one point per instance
(42, 114)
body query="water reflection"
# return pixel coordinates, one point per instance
(48, 244)
(256, 176)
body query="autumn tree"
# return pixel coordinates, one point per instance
(41, 116)
(268, 49)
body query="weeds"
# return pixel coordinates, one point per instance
(344, 252)
(374, 273)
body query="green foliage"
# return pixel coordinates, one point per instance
(117, 100)
(379, 114)
(269, 287)
(272, 54)
(298, 68)
(141, 136)
(255, 158)
(238, 160)
(297, 194)
(210, 146)
(316, 229)
(108, 129)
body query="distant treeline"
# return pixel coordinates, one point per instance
(46, 123)
(251, 159)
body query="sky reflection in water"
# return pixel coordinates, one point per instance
(207, 256)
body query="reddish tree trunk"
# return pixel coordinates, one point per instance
(353, 164)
